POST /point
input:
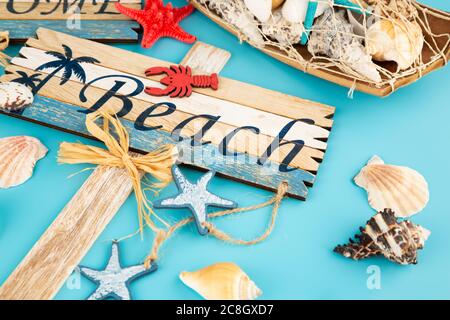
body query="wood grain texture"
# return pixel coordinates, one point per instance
(200, 52)
(52, 259)
(230, 90)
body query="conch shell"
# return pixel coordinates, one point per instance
(395, 40)
(221, 281)
(385, 235)
(14, 96)
(18, 155)
(261, 9)
(295, 11)
(402, 189)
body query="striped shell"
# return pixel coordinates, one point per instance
(18, 155)
(221, 281)
(402, 189)
(14, 96)
(385, 235)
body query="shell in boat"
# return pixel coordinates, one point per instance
(4, 40)
(332, 36)
(294, 11)
(221, 281)
(261, 9)
(281, 30)
(400, 188)
(14, 96)
(395, 40)
(18, 155)
(276, 4)
(385, 235)
(237, 14)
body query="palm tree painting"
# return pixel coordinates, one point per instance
(30, 81)
(66, 62)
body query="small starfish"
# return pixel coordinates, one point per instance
(195, 197)
(113, 281)
(159, 21)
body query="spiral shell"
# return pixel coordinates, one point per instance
(221, 281)
(395, 40)
(14, 96)
(400, 188)
(385, 235)
(18, 155)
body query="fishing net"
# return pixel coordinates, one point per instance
(381, 43)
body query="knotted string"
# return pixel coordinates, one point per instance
(4, 43)
(156, 163)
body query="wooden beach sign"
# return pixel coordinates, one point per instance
(244, 132)
(91, 19)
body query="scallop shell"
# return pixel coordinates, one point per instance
(221, 281)
(261, 9)
(18, 155)
(395, 40)
(294, 11)
(14, 96)
(385, 235)
(400, 188)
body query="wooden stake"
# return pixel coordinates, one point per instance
(52, 259)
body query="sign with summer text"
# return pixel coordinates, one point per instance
(91, 19)
(244, 132)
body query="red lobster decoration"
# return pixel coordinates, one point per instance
(179, 81)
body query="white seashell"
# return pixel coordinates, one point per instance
(395, 40)
(14, 96)
(294, 11)
(402, 189)
(261, 9)
(221, 281)
(18, 155)
(281, 30)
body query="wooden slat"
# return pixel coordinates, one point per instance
(269, 124)
(200, 52)
(244, 142)
(86, 1)
(230, 90)
(53, 258)
(47, 11)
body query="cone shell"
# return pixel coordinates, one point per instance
(18, 155)
(402, 189)
(14, 96)
(221, 281)
(395, 40)
(385, 235)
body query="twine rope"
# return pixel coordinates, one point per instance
(157, 163)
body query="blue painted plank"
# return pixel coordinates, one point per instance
(243, 167)
(105, 30)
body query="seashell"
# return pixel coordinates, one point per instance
(281, 30)
(295, 11)
(261, 9)
(14, 96)
(276, 4)
(4, 40)
(385, 235)
(332, 35)
(221, 281)
(237, 14)
(395, 40)
(18, 155)
(388, 186)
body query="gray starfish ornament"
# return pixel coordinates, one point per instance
(113, 282)
(194, 197)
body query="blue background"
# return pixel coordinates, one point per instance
(297, 262)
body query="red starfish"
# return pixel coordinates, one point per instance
(159, 21)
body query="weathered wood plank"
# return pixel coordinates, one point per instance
(58, 11)
(230, 90)
(246, 141)
(268, 123)
(102, 30)
(201, 52)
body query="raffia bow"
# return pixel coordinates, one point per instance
(156, 163)
(4, 43)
